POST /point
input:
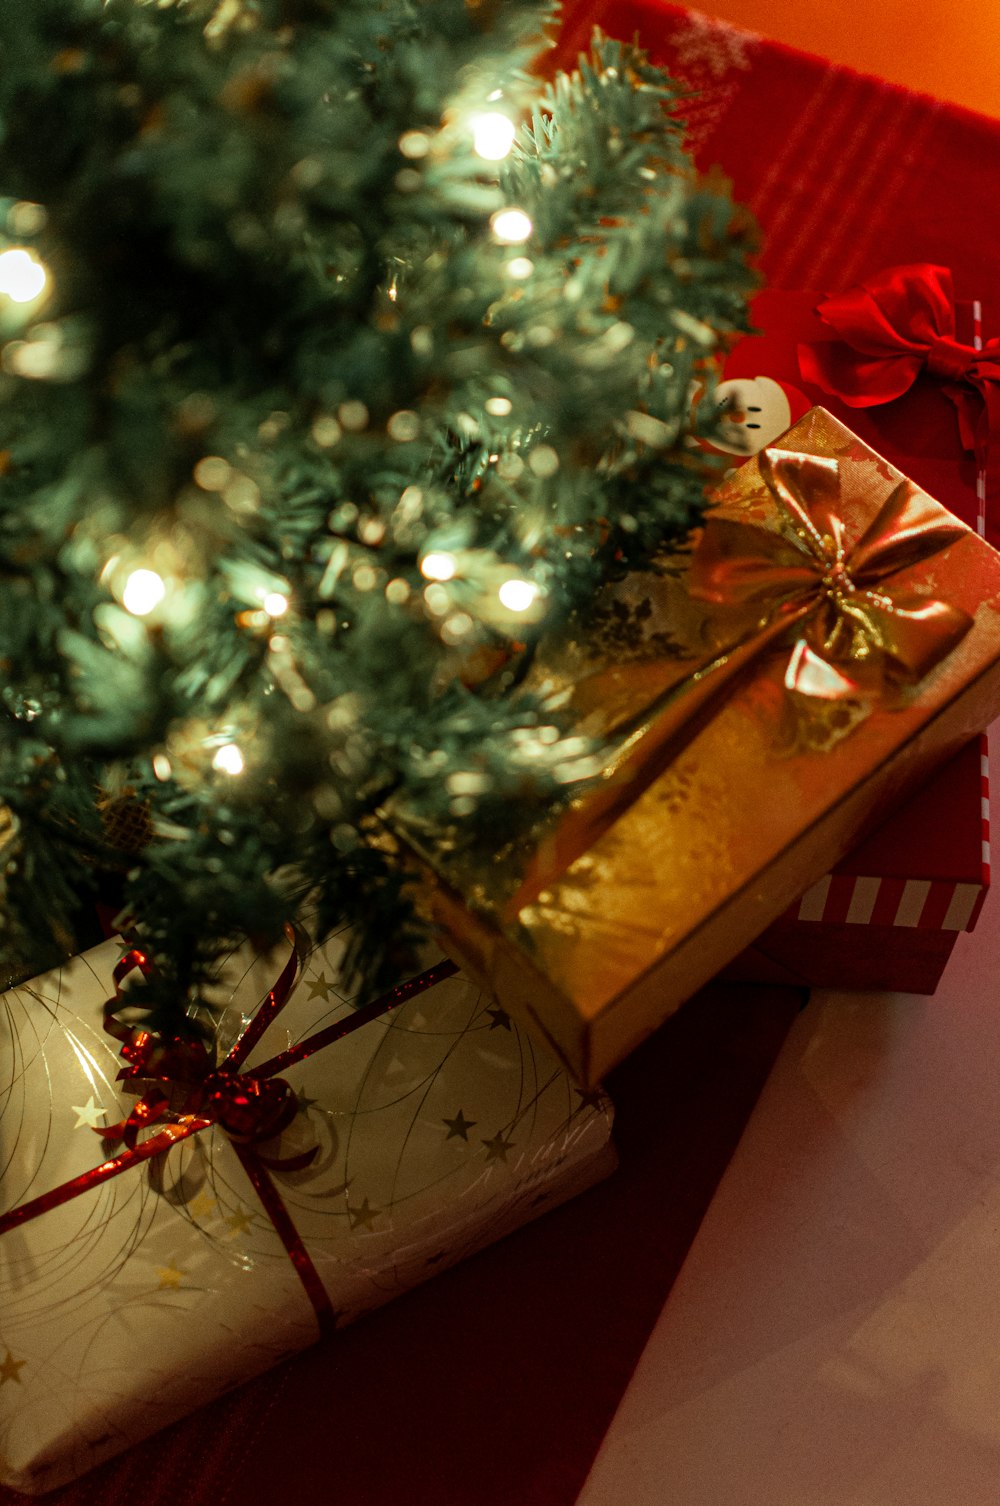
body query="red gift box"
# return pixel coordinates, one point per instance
(848, 175)
(889, 915)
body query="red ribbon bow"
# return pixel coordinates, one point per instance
(180, 1081)
(186, 1093)
(892, 328)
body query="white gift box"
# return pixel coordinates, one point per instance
(439, 1128)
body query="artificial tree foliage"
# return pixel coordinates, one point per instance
(317, 406)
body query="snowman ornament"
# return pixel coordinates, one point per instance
(754, 412)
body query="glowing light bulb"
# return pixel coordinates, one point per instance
(144, 590)
(511, 226)
(518, 595)
(274, 604)
(493, 135)
(228, 759)
(438, 566)
(22, 278)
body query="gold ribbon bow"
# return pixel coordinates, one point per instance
(835, 597)
(852, 615)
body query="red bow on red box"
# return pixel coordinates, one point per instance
(892, 328)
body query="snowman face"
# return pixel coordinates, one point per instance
(755, 411)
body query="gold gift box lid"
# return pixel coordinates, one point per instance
(717, 821)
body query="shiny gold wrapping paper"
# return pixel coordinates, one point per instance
(770, 792)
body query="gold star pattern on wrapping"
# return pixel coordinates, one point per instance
(202, 1205)
(499, 1019)
(497, 1147)
(89, 1115)
(320, 987)
(590, 1098)
(363, 1216)
(10, 1369)
(239, 1222)
(459, 1127)
(170, 1277)
(305, 1102)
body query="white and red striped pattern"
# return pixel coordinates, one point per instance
(927, 904)
(977, 340)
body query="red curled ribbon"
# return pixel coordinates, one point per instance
(186, 1093)
(892, 328)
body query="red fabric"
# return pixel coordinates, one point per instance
(846, 176)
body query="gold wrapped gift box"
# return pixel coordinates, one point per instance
(833, 635)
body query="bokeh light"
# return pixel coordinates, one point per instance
(144, 590)
(493, 135)
(228, 759)
(518, 595)
(511, 226)
(438, 566)
(22, 276)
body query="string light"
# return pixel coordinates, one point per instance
(274, 604)
(518, 595)
(544, 461)
(212, 473)
(438, 566)
(414, 144)
(511, 226)
(228, 759)
(22, 277)
(493, 135)
(403, 427)
(353, 415)
(144, 590)
(326, 431)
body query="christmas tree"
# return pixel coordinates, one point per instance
(341, 357)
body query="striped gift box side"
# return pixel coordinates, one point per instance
(927, 904)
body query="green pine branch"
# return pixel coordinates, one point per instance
(290, 360)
